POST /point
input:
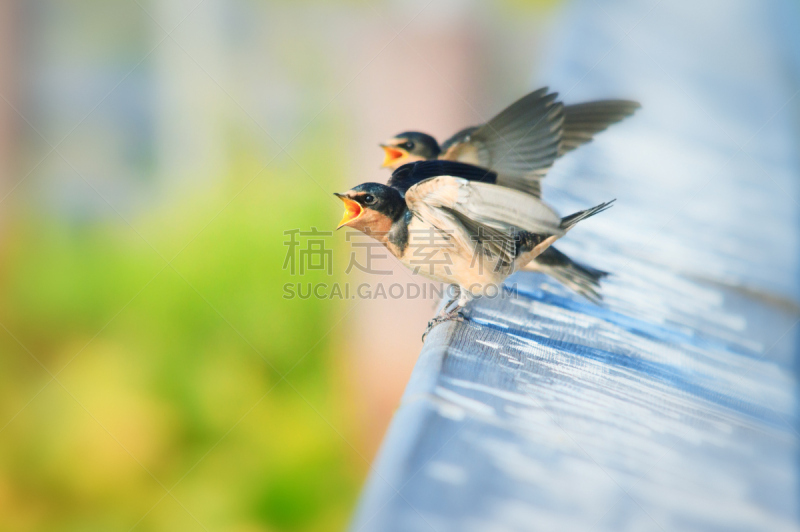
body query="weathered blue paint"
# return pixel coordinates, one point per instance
(674, 405)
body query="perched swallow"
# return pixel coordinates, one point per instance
(484, 231)
(582, 279)
(521, 143)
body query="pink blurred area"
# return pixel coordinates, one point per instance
(425, 87)
(434, 77)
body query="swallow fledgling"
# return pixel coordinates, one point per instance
(521, 143)
(485, 231)
(577, 277)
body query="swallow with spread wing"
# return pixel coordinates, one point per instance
(521, 143)
(478, 232)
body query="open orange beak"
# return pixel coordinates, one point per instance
(352, 210)
(392, 155)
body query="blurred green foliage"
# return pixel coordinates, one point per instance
(167, 339)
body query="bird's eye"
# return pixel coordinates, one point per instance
(369, 199)
(408, 146)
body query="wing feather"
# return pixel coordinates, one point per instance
(582, 121)
(496, 207)
(520, 143)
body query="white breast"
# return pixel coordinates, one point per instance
(441, 250)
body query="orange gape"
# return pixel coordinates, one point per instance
(352, 210)
(392, 154)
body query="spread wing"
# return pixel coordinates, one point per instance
(584, 120)
(458, 138)
(520, 143)
(472, 212)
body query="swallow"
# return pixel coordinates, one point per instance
(485, 231)
(584, 280)
(521, 143)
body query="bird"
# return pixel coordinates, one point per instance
(485, 231)
(521, 143)
(582, 279)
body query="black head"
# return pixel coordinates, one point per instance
(409, 147)
(372, 206)
(420, 144)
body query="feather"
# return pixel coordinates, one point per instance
(461, 136)
(501, 208)
(582, 279)
(409, 175)
(568, 222)
(520, 143)
(583, 120)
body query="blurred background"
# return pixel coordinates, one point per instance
(152, 155)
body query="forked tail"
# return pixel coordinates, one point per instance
(568, 221)
(577, 277)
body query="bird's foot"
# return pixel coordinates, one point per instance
(453, 315)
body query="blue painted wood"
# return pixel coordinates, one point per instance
(673, 406)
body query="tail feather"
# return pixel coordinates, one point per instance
(568, 222)
(578, 280)
(577, 277)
